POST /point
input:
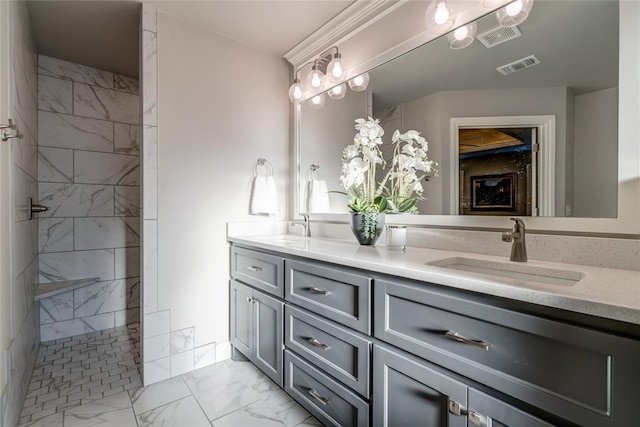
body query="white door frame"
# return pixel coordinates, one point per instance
(546, 170)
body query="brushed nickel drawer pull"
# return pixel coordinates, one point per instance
(319, 398)
(319, 291)
(254, 268)
(317, 343)
(457, 337)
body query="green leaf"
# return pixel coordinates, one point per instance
(407, 204)
(381, 202)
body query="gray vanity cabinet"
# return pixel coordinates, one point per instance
(408, 393)
(257, 324)
(588, 377)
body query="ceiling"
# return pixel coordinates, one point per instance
(575, 41)
(104, 33)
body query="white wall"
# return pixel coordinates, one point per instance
(221, 106)
(596, 134)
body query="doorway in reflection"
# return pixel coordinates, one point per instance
(497, 171)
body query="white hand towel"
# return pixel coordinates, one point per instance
(264, 198)
(318, 201)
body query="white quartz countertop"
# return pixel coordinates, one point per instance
(604, 292)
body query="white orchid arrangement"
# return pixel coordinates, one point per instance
(410, 166)
(359, 162)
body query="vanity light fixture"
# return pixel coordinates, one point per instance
(360, 82)
(338, 92)
(463, 36)
(317, 101)
(514, 13)
(326, 67)
(439, 17)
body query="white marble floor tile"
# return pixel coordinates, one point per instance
(284, 406)
(114, 410)
(185, 412)
(221, 393)
(257, 414)
(159, 394)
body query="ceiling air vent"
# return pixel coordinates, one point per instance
(498, 35)
(518, 65)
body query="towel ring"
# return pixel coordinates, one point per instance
(264, 163)
(313, 169)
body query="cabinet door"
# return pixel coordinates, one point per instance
(269, 325)
(242, 318)
(488, 411)
(409, 392)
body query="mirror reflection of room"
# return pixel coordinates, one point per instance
(572, 78)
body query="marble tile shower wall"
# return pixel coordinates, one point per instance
(19, 325)
(89, 176)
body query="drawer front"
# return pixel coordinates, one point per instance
(329, 401)
(339, 352)
(335, 293)
(561, 368)
(258, 269)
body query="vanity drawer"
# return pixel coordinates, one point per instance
(341, 353)
(583, 375)
(329, 401)
(258, 269)
(335, 293)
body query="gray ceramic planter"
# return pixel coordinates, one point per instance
(367, 226)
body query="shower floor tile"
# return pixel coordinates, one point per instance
(94, 379)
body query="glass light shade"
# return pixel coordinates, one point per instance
(296, 93)
(334, 69)
(338, 92)
(514, 13)
(315, 80)
(439, 17)
(317, 101)
(359, 83)
(462, 36)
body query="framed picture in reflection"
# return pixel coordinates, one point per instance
(494, 192)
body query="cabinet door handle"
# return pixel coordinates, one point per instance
(317, 343)
(249, 300)
(254, 268)
(457, 337)
(319, 291)
(319, 398)
(479, 420)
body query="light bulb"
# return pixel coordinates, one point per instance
(296, 92)
(461, 33)
(360, 82)
(439, 17)
(442, 14)
(338, 92)
(315, 80)
(334, 69)
(514, 13)
(514, 8)
(317, 101)
(462, 36)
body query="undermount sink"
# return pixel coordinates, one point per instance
(518, 271)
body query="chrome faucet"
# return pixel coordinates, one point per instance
(516, 235)
(304, 223)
